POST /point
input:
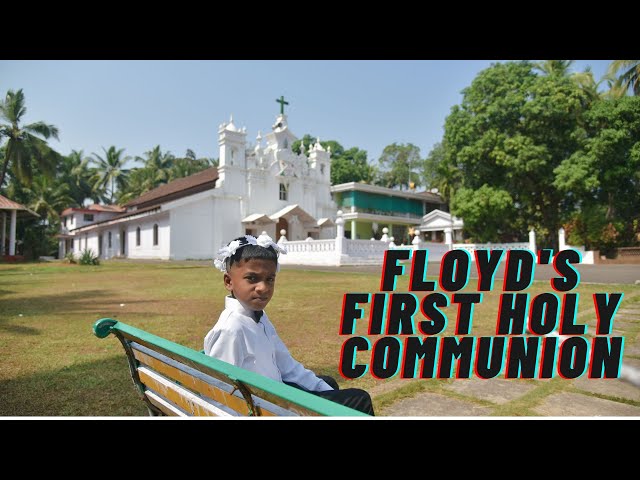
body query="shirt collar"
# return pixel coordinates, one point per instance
(236, 305)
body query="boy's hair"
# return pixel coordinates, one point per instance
(248, 247)
(249, 252)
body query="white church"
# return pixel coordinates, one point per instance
(264, 188)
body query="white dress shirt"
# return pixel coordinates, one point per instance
(238, 339)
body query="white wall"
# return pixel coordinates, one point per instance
(191, 230)
(146, 249)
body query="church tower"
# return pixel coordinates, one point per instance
(233, 163)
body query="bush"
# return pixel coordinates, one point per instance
(87, 257)
(70, 258)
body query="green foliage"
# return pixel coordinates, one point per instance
(74, 172)
(26, 149)
(352, 166)
(400, 165)
(602, 178)
(87, 257)
(70, 258)
(491, 212)
(628, 75)
(511, 131)
(111, 174)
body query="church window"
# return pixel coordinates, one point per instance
(285, 144)
(138, 237)
(155, 234)
(283, 192)
(109, 239)
(322, 168)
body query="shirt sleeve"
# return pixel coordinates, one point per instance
(226, 345)
(293, 371)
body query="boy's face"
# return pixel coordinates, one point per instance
(252, 282)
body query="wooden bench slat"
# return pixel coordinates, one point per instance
(189, 381)
(183, 398)
(167, 408)
(213, 388)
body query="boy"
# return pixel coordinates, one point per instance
(244, 336)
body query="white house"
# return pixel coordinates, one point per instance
(266, 187)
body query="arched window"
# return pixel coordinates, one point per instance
(138, 237)
(283, 192)
(155, 234)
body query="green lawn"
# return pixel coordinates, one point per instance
(53, 365)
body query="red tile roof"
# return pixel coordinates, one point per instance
(6, 204)
(182, 187)
(92, 209)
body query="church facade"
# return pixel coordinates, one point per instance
(266, 187)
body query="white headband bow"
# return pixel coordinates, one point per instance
(263, 240)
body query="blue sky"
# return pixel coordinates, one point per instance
(138, 104)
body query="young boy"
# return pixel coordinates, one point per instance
(244, 336)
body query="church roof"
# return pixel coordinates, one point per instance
(293, 210)
(92, 209)
(257, 218)
(182, 187)
(325, 222)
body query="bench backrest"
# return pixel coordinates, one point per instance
(178, 381)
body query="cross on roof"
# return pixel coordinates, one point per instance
(282, 103)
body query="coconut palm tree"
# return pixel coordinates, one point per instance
(111, 173)
(158, 163)
(26, 146)
(552, 68)
(140, 180)
(48, 198)
(629, 79)
(75, 172)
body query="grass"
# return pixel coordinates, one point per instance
(53, 365)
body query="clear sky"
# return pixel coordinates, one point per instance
(178, 104)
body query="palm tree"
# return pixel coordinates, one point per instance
(587, 83)
(47, 198)
(24, 142)
(559, 68)
(140, 180)
(629, 79)
(75, 172)
(189, 164)
(158, 163)
(110, 171)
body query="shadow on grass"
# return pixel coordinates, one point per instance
(19, 329)
(84, 302)
(99, 388)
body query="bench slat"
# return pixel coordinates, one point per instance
(192, 383)
(284, 406)
(183, 398)
(204, 384)
(165, 407)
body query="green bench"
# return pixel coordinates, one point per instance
(174, 380)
